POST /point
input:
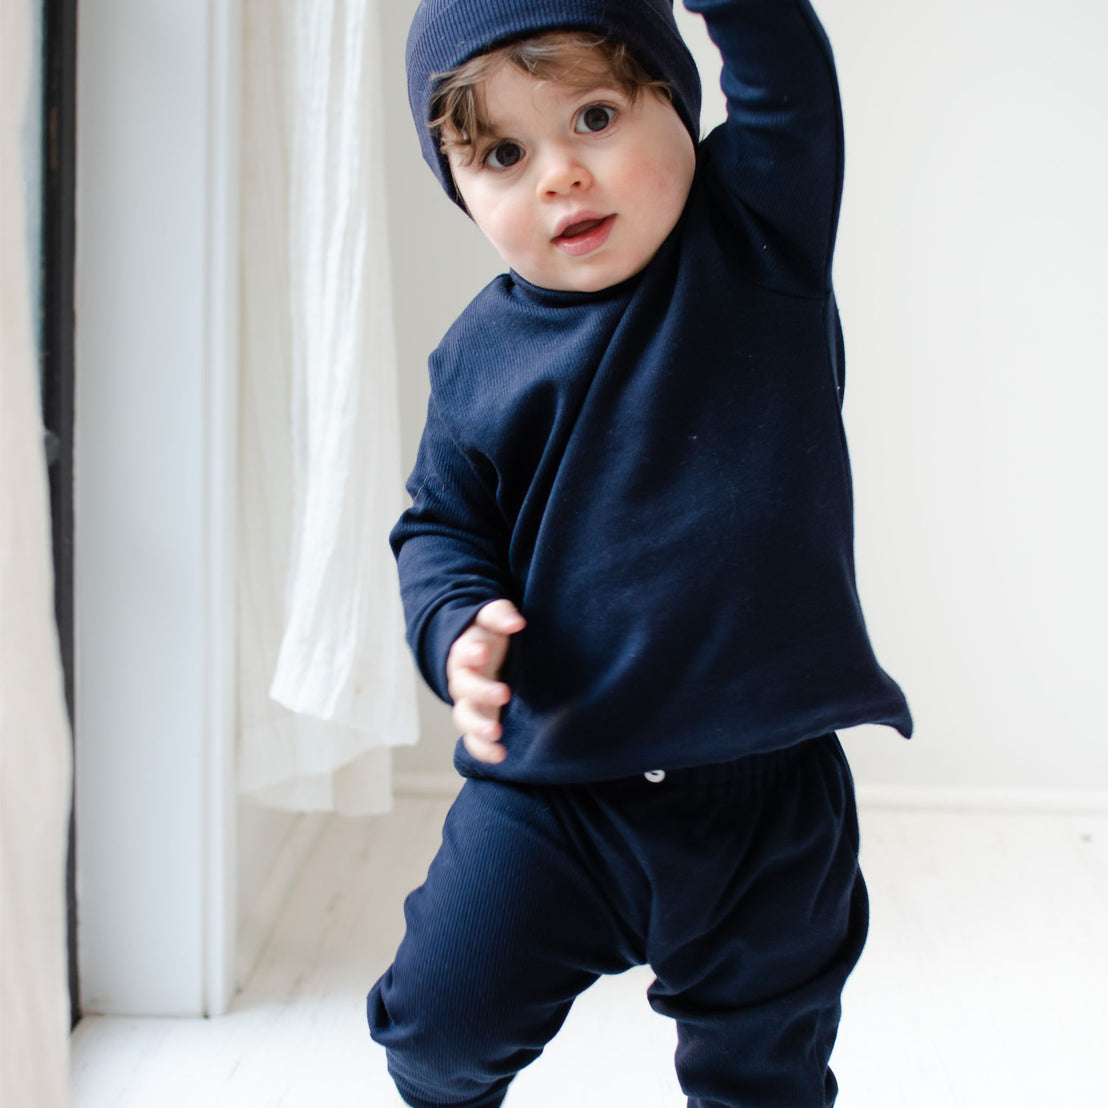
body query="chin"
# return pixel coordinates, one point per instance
(605, 279)
(593, 275)
(594, 283)
(599, 278)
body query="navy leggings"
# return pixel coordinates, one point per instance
(738, 883)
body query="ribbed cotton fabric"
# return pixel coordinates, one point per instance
(739, 885)
(445, 33)
(656, 474)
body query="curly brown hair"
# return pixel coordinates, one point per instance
(577, 58)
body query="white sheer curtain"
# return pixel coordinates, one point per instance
(326, 683)
(34, 743)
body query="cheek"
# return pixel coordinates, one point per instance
(670, 161)
(490, 210)
(507, 225)
(659, 182)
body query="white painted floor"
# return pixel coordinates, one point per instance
(985, 983)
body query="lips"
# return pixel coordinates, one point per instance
(576, 229)
(583, 232)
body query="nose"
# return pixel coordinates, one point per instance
(563, 172)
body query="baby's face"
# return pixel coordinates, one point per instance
(577, 189)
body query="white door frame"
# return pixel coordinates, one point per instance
(155, 461)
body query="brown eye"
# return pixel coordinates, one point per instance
(596, 117)
(504, 155)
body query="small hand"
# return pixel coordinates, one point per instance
(472, 668)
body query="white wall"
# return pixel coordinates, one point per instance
(972, 284)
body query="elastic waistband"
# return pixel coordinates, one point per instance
(753, 769)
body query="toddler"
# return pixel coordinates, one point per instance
(628, 562)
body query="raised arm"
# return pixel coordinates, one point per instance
(777, 163)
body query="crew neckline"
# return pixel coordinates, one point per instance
(571, 297)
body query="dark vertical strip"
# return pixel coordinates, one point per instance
(56, 343)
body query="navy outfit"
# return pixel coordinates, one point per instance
(656, 475)
(738, 884)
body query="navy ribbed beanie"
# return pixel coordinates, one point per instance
(445, 33)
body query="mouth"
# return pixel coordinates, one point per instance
(584, 233)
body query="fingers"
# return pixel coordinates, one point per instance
(471, 669)
(490, 752)
(473, 651)
(483, 645)
(473, 719)
(481, 730)
(501, 617)
(474, 661)
(471, 685)
(477, 704)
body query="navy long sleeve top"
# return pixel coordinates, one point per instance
(656, 473)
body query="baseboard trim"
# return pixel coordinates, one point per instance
(911, 797)
(955, 799)
(255, 930)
